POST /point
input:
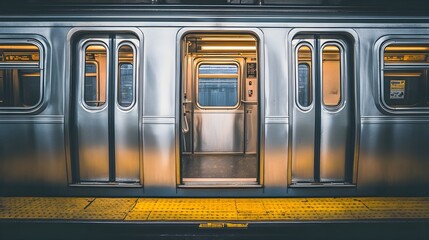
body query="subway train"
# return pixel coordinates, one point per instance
(238, 98)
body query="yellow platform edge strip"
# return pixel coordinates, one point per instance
(230, 212)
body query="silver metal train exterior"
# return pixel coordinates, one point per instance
(252, 101)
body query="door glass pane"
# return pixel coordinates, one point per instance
(331, 75)
(304, 76)
(95, 75)
(125, 78)
(218, 85)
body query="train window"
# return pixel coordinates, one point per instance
(126, 76)
(405, 76)
(95, 75)
(218, 85)
(397, 53)
(304, 76)
(331, 75)
(20, 76)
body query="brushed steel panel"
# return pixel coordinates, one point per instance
(275, 84)
(159, 61)
(276, 159)
(93, 144)
(251, 128)
(219, 131)
(32, 154)
(159, 159)
(303, 135)
(127, 146)
(394, 157)
(333, 145)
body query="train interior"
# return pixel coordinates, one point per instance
(20, 78)
(220, 110)
(406, 76)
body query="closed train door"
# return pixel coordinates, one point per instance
(219, 108)
(104, 124)
(323, 111)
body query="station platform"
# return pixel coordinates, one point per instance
(207, 218)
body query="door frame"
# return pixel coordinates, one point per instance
(353, 82)
(73, 37)
(258, 34)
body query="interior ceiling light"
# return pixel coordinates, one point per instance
(229, 39)
(229, 48)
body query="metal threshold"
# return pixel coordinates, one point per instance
(98, 184)
(219, 183)
(321, 185)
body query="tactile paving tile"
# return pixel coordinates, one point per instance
(193, 209)
(213, 209)
(108, 209)
(42, 208)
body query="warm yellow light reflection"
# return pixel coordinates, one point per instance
(406, 48)
(19, 47)
(331, 48)
(95, 48)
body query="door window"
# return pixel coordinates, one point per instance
(95, 86)
(126, 76)
(304, 76)
(331, 75)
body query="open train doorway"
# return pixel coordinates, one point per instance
(219, 110)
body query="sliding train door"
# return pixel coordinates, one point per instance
(323, 111)
(219, 122)
(105, 126)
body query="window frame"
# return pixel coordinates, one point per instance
(117, 82)
(197, 77)
(40, 67)
(380, 47)
(312, 75)
(83, 47)
(343, 75)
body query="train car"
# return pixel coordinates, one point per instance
(239, 98)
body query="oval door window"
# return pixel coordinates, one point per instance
(95, 85)
(304, 76)
(126, 76)
(331, 75)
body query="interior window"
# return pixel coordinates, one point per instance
(218, 85)
(20, 75)
(95, 75)
(405, 78)
(304, 76)
(126, 78)
(331, 75)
